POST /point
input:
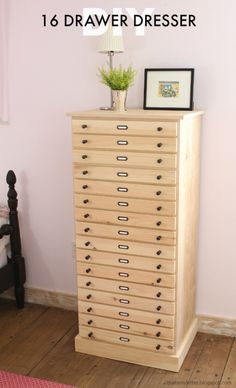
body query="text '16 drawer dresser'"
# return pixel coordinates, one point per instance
(136, 184)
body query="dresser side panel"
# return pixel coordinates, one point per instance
(187, 225)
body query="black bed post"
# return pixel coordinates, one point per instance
(17, 259)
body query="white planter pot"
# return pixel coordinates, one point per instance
(119, 100)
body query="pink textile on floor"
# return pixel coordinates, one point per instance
(12, 380)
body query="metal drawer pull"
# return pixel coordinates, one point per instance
(123, 218)
(159, 266)
(121, 246)
(122, 158)
(158, 238)
(122, 189)
(158, 294)
(89, 296)
(87, 243)
(159, 208)
(159, 223)
(158, 308)
(122, 142)
(90, 322)
(124, 274)
(159, 129)
(88, 257)
(124, 339)
(122, 127)
(159, 161)
(159, 177)
(158, 347)
(84, 126)
(123, 261)
(124, 327)
(88, 270)
(89, 309)
(90, 334)
(122, 314)
(158, 193)
(87, 230)
(159, 253)
(85, 187)
(123, 204)
(124, 301)
(85, 172)
(88, 284)
(123, 232)
(159, 145)
(84, 156)
(122, 174)
(86, 201)
(123, 288)
(86, 215)
(84, 141)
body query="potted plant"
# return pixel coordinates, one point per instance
(119, 80)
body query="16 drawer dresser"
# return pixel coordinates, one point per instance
(136, 185)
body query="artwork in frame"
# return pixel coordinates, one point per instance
(168, 89)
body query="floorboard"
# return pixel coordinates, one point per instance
(39, 341)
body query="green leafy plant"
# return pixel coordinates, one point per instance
(117, 78)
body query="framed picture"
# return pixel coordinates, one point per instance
(170, 89)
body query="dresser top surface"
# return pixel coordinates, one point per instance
(134, 114)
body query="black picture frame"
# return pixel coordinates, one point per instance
(181, 97)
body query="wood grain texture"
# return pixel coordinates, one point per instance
(208, 355)
(29, 347)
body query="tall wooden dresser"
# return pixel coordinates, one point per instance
(136, 185)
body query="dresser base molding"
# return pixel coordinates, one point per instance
(135, 356)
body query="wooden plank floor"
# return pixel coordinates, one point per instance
(39, 341)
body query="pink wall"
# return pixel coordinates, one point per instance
(53, 71)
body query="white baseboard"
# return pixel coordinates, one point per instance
(47, 298)
(207, 324)
(217, 325)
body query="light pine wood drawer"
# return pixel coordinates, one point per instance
(126, 275)
(126, 261)
(114, 127)
(126, 219)
(127, 301)
(130, 205)
(123, 247)
(126, 314)
(125, 287)
(125, 143)
(94, 321)
(125, 159)
(87, 172)
(126, 190)
(129, 340)
(126, 233)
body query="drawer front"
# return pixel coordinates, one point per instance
(125, 143)
(125, 159)
(87, 172)
(126, 314)
(125, 275)
(126, 219)
(126, 288)
(114, 127)
(131, 204)
(94, 321)
(155, 345)
(126, 190)
(127, 301)
(126, 233)
(126, 261)
(130, 247)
